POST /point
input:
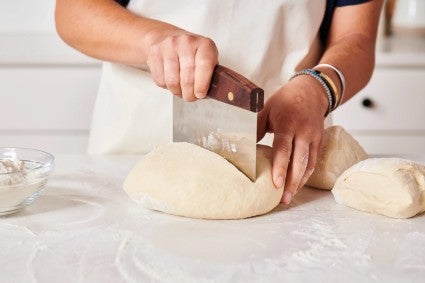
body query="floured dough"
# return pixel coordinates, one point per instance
(338, 152)
(187, 180)
(389, 186)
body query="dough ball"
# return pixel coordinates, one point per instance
(188, 180)
(338, 152)
(389, 186)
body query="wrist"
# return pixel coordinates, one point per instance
(322, 86)
(313, 92)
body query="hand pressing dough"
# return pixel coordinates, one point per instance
(187, 180)
(338, 151)
(389, 186)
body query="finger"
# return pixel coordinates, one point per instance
(314, 150)
(205, 61)
(172, 73)
(282, 147)
(187, 76)
(156, 67)
(298, 165)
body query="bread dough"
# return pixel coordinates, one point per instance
(188, 180)
(338, 151)
(389, 186)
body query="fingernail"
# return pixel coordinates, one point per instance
(200, 95)
(279, 182)
(287, 198)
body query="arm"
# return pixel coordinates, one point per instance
(295, 113)
(178, 60)
(351, 45)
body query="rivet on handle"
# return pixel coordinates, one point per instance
(230, 96)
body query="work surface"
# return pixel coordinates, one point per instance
(84, 228)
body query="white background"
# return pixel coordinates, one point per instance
(47, 89)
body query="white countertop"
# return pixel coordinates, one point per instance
(84, 228)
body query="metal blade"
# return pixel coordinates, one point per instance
(219, 127)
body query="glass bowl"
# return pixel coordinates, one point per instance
(23, 175)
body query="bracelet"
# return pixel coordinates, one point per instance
(341, 79)
(333, 88)
(315, 74)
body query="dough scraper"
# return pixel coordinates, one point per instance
(224, 122)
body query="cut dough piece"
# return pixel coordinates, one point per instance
(188, 180)
(389, 186)
(338, 152)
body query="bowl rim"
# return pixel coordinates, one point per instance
(49, 163)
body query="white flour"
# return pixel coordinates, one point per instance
(15, 167)
(324, 248)
(217, 142)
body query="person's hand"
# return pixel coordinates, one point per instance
(182, 62)
(295, 114)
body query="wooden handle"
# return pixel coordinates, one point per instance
(230, 87)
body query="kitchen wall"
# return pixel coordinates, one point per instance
(47, 89)
(27, 16)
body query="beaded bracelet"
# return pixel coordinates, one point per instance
(315, 74)
(340, 76)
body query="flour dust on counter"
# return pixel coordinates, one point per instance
(86, 229)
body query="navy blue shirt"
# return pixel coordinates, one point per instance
(123, 3)
(330, 7)
(327, 19)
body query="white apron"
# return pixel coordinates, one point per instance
(263, 40)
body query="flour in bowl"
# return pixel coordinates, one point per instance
(12, 171)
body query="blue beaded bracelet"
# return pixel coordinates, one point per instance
(315, 74)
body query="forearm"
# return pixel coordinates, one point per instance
(354, 56)
(351, 46)
(104, 30)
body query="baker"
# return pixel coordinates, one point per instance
(308, 56)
